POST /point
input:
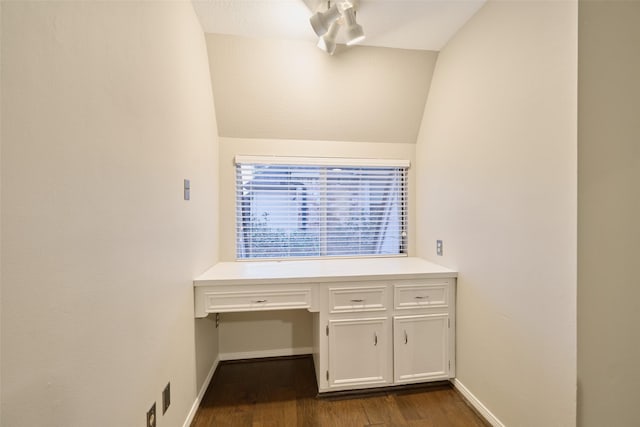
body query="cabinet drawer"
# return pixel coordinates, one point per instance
(220, 302)
(342, 300)
(421, 295)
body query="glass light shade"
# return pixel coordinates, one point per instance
(355, 33)
(321, 21)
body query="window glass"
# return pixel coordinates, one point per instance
(285, 211)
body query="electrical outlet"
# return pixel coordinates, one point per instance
(151, 416)
(166, 398)
(439, 247)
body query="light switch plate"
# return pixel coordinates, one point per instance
(187, 189)
(439, 247)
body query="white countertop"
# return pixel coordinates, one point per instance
(321, 270)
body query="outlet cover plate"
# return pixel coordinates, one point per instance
(151, 416)
(166, 398)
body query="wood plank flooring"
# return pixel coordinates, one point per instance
(283, 392)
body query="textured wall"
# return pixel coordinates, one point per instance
(278, 89)
(608, 212)
(496, 179)
(108, 108)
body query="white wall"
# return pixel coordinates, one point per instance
(106, 108)
(281, 89)
(265, 334)
(608, 212)
(496, 162)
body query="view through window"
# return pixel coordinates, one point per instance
(286, 208)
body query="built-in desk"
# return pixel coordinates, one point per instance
(377, 321)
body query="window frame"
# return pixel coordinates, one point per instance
(401, 191)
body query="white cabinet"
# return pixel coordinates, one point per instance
(423, 339)
(230, 298)
(376, 322)
(421, 294)
(357, 299)
(356, 349)
(379, 333)
(254, 298)
(420, 348)
(358, 352)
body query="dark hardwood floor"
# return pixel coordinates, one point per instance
(283, 392)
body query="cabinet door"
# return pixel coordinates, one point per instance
(421, 348)
(359, 351)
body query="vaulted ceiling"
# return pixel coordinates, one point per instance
(405, 24)
(270, 81)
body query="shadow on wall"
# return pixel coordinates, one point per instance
(206, 344)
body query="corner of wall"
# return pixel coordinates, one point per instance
(1, 3)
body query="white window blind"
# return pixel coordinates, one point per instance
(319, 207)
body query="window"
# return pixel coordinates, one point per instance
(320, 207)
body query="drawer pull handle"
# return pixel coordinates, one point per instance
(357, 300)
(375, 339)
(406, 337)
(421, 297)
(260, 301)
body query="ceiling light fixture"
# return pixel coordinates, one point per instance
(321, 21)
(328, 41)
(326, 24)
(355, 33)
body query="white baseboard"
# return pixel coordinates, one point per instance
(475, 402)
(266, 353)
(203, 389)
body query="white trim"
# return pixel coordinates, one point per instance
(321, 161)
(203, 390)
(475, 402)
(266, 353)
